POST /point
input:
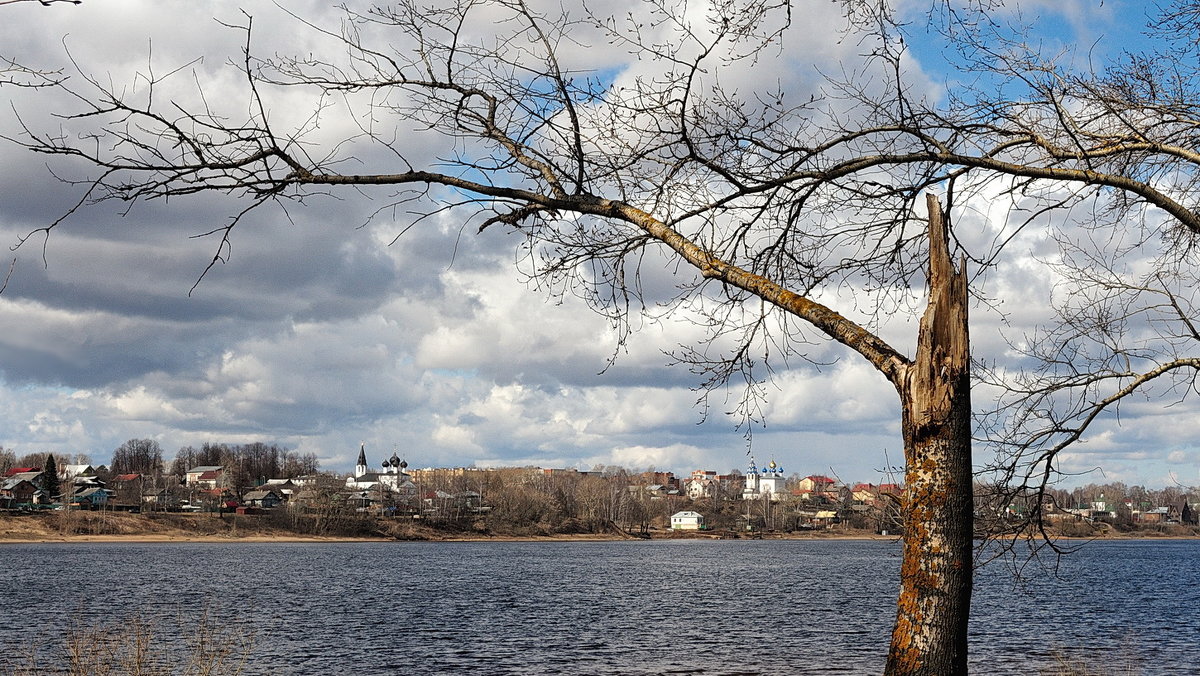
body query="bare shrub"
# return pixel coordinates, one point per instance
(135, 646)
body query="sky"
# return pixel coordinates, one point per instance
(332, 325)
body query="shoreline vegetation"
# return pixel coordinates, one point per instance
(169, 527)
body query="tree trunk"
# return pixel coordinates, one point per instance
(930, 635)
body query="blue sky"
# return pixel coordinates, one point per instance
(320, 333)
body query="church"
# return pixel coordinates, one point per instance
(393, 478)
(767, 482)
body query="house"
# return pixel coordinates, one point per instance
(16, 491)
(687, 520)
(442, 503)
(1158, 515)
(212, 479)
(262, 498)
(812, 518)
(34, 476)
(864, 494)
(161, 498)
(825, 518)
(817, 487)
(702, 484)
(93, 490)
(90, 496)
(68, 472)
(127, 488)
(204, 475)
(286, 488)
(660, 491)
(361, 500)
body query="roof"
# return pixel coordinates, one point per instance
(260, 495)
(687, 515)
(28, 476)
(128, 477)
(210, 475)
(205, 468)
(11, 483)
(21, 470)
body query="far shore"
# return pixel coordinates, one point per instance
(152, 538)
(162, 527)
(582, 537)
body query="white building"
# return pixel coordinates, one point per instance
(393, 477)
(68, 472)
(687, 521)
(204, 476)
(767, 482)
(702, 484)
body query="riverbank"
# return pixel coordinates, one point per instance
(77, 526)
(100, 526)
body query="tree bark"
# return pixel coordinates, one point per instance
(930, 634)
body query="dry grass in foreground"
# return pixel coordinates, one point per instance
(135, 647)
(1107, 663)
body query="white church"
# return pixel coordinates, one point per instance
(392, 478)
(767, 482)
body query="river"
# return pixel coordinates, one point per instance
(657, 607)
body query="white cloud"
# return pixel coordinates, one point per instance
(319, 334)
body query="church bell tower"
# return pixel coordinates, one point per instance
(360, 468)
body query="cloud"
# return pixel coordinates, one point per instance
(344, 319)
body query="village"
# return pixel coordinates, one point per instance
(758, 499)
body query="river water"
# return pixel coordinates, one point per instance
(657, 607)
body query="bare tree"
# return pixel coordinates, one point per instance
(758, 202)
(141, 456)
(44, 3)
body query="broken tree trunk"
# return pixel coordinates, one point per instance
(930, 635)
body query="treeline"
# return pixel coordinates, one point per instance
(245, 463)
(9, 459)
(564, 502)
(1115, 497)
